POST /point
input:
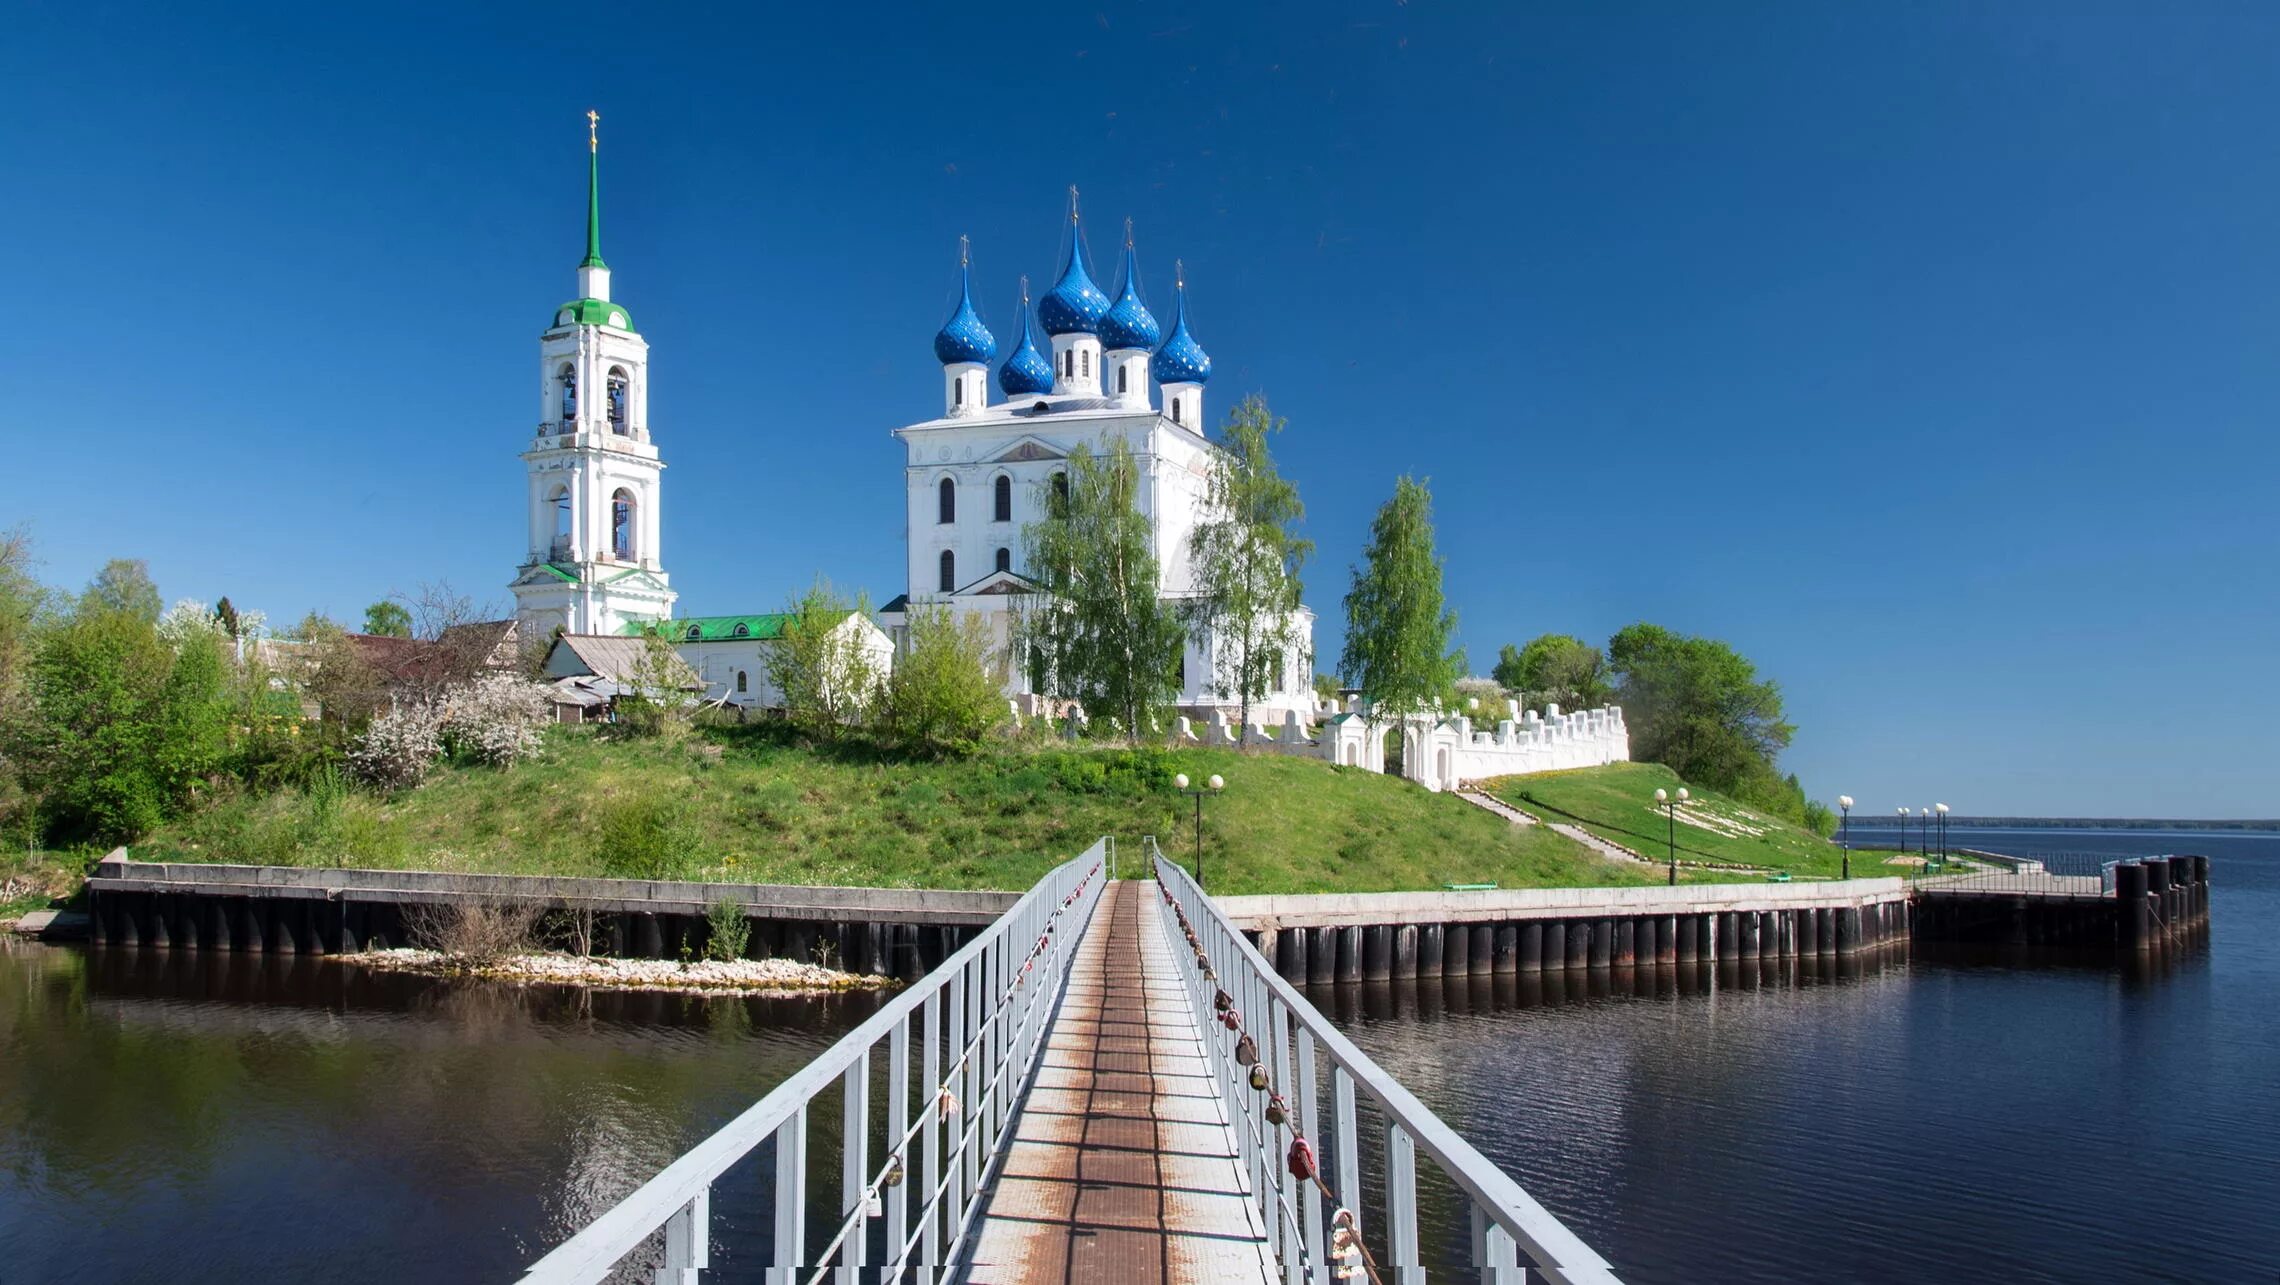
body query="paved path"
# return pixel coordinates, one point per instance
(1122, 1167)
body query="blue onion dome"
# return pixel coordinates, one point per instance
(1074, 306)
(1181, 360)
(1129, 324)
(1025, 371)
(964, 337)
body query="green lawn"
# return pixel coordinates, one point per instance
(1618, 803)
(744, 805)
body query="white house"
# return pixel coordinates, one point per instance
(977, 473)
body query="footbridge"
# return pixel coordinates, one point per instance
(1110, 1083)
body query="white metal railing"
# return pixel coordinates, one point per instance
(979, 1024)
(1316, 1221)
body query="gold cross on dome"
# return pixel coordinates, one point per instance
(593, 130)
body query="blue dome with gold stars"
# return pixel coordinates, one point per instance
(1074, 306)
(1181, 360)
(1129, 324)
(964, 337)
(1025, 370)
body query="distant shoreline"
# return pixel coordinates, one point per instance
(2067, 823)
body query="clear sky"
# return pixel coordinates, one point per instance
(1926, 353)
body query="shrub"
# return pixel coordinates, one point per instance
(473, 932)
(945, 693)
(728, 930)
(397, 748)
(496, 719)
(645, 839)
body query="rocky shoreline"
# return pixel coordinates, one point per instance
(707, 976)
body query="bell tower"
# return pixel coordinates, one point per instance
(593, 564)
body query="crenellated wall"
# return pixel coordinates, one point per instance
(1438, 752)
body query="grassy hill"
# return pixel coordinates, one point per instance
(742, 804)
(1617, 803)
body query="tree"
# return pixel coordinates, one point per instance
(946, 691)
(1247, 562)
(1698, 707)
(226, 613)
(819, 665)
(388, 618)
(1555, 669)
(1097, 628)
(124, 585)
(659, 703)
(22, 602)
(1397, 633)
(334, 674)
(91, 744)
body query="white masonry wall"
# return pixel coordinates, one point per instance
(1437, 753)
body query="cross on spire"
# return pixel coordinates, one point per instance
(965, 252)
(593, 191)
(593, 130)
(1072, 203)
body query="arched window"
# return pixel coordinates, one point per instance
(1123, 379)
(949, 571)
(558, 548)
(740, 680)
(696, 632)
(946, 502)
(1005, 559)
(958, 392)
(1061, 487)
(1176, 410)
(621, 525)
(618, 385)
(1001, 499)
(742, 631)
(568, 378)
(1085, 360)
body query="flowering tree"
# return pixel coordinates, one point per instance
(398, 747)
(495, 719)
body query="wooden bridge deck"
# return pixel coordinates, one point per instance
(1122, 1166)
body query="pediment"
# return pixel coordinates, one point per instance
(1026, 450)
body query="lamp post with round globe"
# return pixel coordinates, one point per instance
(1669, 806)
(1924, 835)
(1844, 830)
(1212, 786)
(1941, 808)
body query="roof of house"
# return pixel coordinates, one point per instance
(481, 638)
(614, 658)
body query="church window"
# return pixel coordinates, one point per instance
(1278, 684)
(1176, 410)
(958, 392)
(696, 632)
(569, 380)
(1123, 379)
(1061, 487)
(1001, 499)
(1068, 363)
(618, 395)
(558, 549)
(621, 525)
(1005, 559)
(946, 502)
(742, 631)
(1084, 359)
(949, 579)
(740, 682)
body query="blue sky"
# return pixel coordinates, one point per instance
(1925, 353)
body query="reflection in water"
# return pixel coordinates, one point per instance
(212, 1116)
(1930, 1113)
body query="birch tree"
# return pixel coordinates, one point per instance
(1397, 631)
(1247, 562)
(1097, 628)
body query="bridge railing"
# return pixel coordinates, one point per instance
(978, 1023)
(1512, 1238)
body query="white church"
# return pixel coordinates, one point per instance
(974, 474)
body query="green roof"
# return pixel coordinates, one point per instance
(592, 312)
(718, 628)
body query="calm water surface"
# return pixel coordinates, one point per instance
(1935, 1119)
(177, 1118)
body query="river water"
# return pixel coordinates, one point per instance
(186, 1118)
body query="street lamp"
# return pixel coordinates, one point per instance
(1943, 832)
(1844, 830)
(1903, 832)
(1212, 786)
(1670, 824)
(1924, 836)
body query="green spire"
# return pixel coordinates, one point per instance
(593, 192)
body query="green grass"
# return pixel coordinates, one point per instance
(36, 878)
(742, 804)
(1617, 803)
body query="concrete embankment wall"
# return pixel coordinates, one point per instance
(885, 931)
(1384, 936)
